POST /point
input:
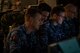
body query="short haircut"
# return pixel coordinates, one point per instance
(57, 10)
(44, 7)
(32, 12)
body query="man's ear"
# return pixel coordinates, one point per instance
(27, 18)
(31, 20)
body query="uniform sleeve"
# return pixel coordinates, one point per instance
(14, 42)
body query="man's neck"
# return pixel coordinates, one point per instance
(29, 29)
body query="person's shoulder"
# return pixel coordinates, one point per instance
(14, 32)
(16, 29)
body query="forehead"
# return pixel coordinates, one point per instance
(62, 14)
(45, 12)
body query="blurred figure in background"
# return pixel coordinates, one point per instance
(71, 20)
(71, 11)
(12, 17)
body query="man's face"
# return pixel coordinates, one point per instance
(37, 21)
(45, 15)
(71, 13)
(59, 18)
